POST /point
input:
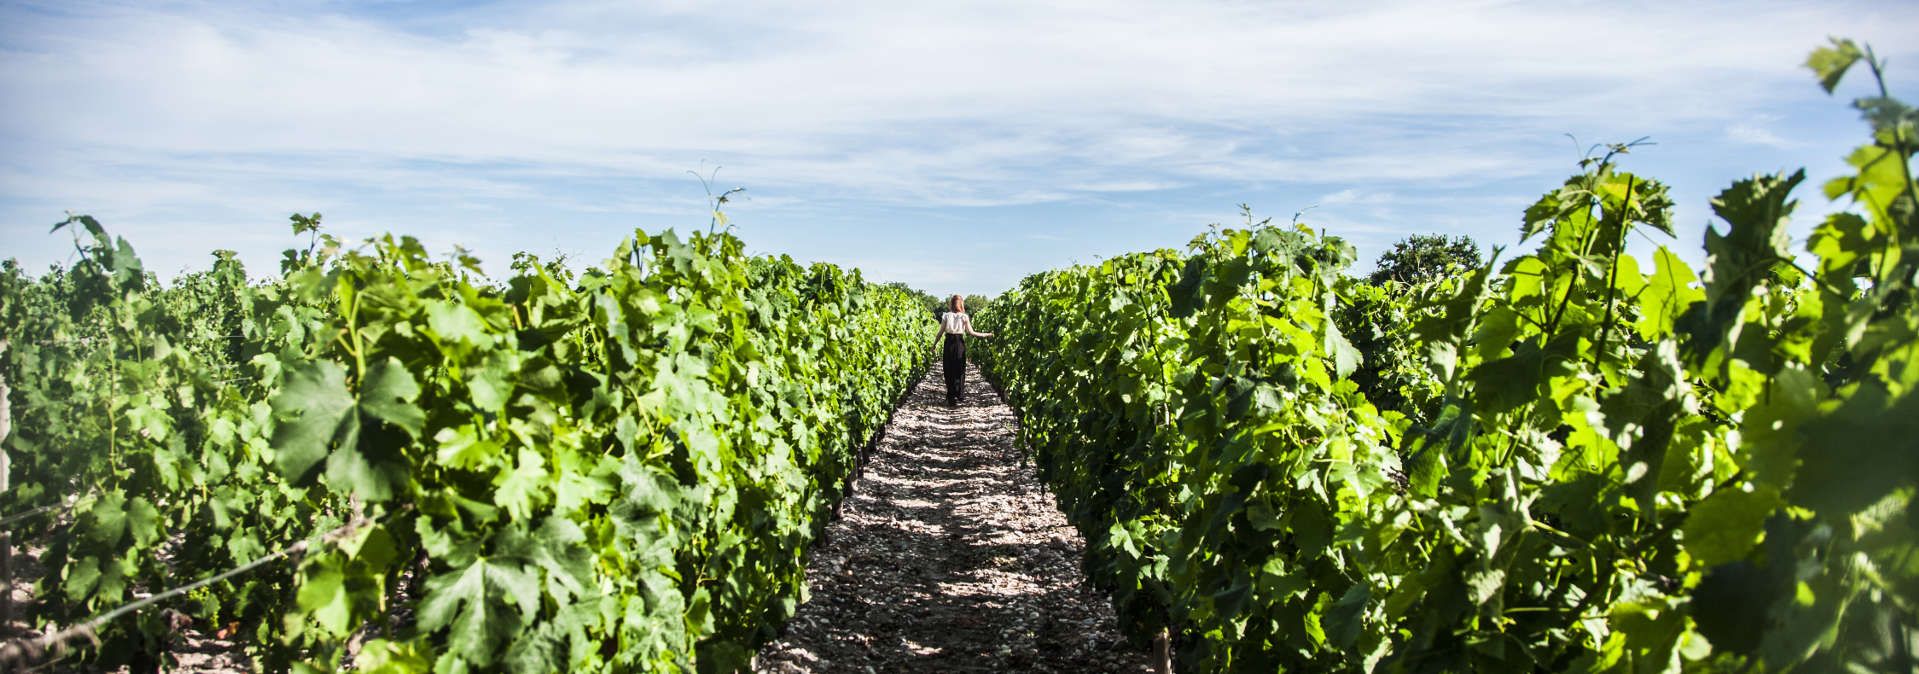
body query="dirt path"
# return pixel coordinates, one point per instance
(950, 557)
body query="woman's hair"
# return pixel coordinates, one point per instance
(957, 303)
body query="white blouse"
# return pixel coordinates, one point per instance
(955, 323)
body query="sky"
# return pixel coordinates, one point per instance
(954, 146)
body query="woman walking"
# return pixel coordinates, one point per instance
(956, 325)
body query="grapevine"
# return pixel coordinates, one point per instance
(614, 470)
(1576, 460)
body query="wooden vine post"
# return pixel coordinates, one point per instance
(6, 470)
(1162, 652)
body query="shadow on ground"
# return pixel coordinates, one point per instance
(950, 557)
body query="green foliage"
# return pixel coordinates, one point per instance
(614, 471)
(1377, 316)
(1163, 415)
(142, 405)
(1378, 320)
(1607, 465)
(1421, 258)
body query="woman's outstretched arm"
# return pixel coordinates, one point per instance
(975, 333)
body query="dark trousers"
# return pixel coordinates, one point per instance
(955, 363)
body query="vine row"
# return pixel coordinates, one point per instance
(1576, 460)
(618, 469)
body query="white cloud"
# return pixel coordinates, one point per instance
(973, 93)
(1352, 195)
(1123, 186)
(1754, 134)
(985, 104)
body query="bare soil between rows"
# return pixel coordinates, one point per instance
(950, 556)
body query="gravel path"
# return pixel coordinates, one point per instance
(950, 556)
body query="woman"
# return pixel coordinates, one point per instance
(956, 325)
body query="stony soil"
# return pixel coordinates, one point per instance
(198, 648)
(950, 556)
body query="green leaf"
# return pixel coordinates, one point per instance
(575, 490)
(1484, 584)
(1507, 383)
(1726, 525)
(1669, 291)
(82, 577)
(461, 448)
(1345, 620)
(143, 521)
(524, 488)
(1887, 115)
(456, 323)
(313, 410)
(1858, 452)
(1757, 210)
(465, 603)
(388, 395)
(1428, 448)
(348, 471)
(556, 548)
(1185, 295)
(491, 385)
(1345, 357)
(1841, 243)
(107, 519)
(1830, 64)
(323, 597)
(380, 656)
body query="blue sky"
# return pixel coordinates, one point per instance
(956, 148)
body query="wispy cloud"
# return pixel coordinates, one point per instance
(1751, 133)
(1353, 195)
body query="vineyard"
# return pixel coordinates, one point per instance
(1567, 458)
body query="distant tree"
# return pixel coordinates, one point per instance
(977, 303)
(1424, 257)
(974, 303)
